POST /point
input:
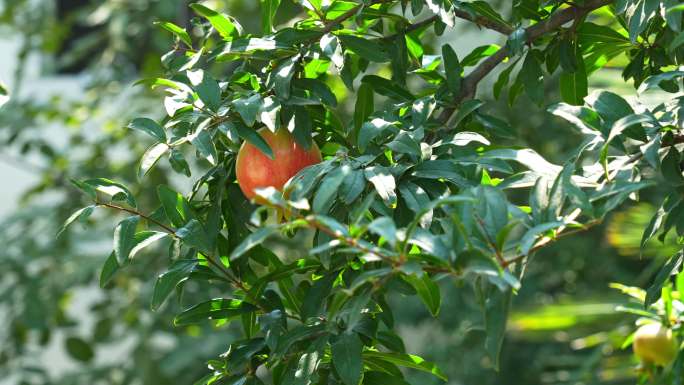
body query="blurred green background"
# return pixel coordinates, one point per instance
(70, 66)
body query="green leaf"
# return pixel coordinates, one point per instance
(346, 357)
(380, 378)
(352, 186)
(109, 269)
(422, 109)
(319, 89)
(478, 54)
(574, 86)
(384, 227)
(249, 107)
(671, 267)
(269, 8)
(115, 190)
(195, 235)
(388, 88)
(149, 127)
(209, 91)
(79, 349)
(405, 144)
(365, 48)
(497, 306)
(384, 183)
(80, 215)
(176, 207)
(204, 144)
(301, 130)
(223, 24)
(145, 238)
(364, 106)
(181, 33)
(167, 281)
(407, 361)
(124, 238)
(281, 77)
(370, 130)
(327, 192)
(254, 239)
(215, 309)
(428, 291)
(527, 241)
(151, 157)
(533, 78)
(254, 139)
(452, 68)
(465, 109)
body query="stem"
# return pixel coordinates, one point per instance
(547, 240)
(470, 82)
(140, 214)
(348, 240)
(209, 258)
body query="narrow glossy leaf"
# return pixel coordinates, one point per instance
(364, 106)
(149, 127)
(533, 78)
(176, 207)
(181, 33)
(531, 235)
(209, 92)
(319, 89)
(574, 85)
(109, 269)
(167, 281)
(497, 306)
(465, 109)
(204, 144)
(281, 77)
(195, 235)
(365, 48)
(215, 309)
(254, 138)
(452, 68)
(371, 129)
(384, 183)
(124, 238)
(151, 157)
(385, 228)
(422, 109)
(406, 361)
(301, 127)
(223, 24)
(268, 12)
(671, 267)
(248, 108)
(328, 189)
(144, 239)
(428, 291)
(80, 215)
(352, 186)
(346, 357)
(388, 88)
(254, 239)
(478, 54)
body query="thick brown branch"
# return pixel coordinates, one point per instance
(470, 82)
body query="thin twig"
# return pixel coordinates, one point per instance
(547, 241)
(470, 82)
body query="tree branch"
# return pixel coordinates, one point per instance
(484, 22)
(470, 82)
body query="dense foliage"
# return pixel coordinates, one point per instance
(420, 182)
